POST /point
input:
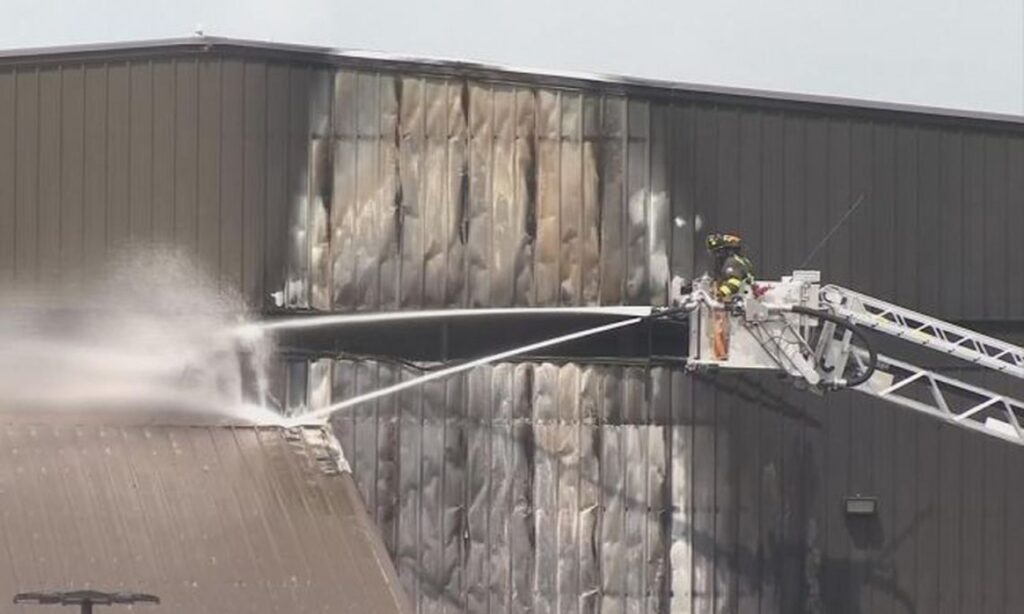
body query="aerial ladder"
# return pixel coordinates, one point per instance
(812, 334)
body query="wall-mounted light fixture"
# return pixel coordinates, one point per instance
(858, 505)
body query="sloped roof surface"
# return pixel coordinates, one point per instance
(210, 519)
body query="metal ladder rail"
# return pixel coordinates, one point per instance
(925, 330)
(949, 399)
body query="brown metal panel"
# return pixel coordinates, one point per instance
(277, 182)
(164, 127)
(118, 140)
(49, 175)
(478, 210)
(94, 161)
(590, 489)
(140, 154)
(231, 184)
(26, 177)
(208, 158)
(254, 183)
(72, 146)
(186, 158)
(8, 165)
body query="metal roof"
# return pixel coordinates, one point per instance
(210, 519)
(495, 72)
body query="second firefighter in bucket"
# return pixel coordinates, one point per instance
(732, 273)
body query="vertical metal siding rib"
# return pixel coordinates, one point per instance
(569, 184)
(975, 269)
(411, 162)
(8, 172)
(140, 152)
(929, 275)
(48, 175)
(611, 175)
(479, 222)
(994, 214)
(164, 131)
(186, 158)
(547, 267)
(1014, 219)
(25, 180)
(637, 202)
(72, 133)
(231, 147)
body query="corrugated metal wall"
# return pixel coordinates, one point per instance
(206, 154)
(569, 487)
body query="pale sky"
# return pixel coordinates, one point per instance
(964, 54)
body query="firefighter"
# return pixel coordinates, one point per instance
(732, 270)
